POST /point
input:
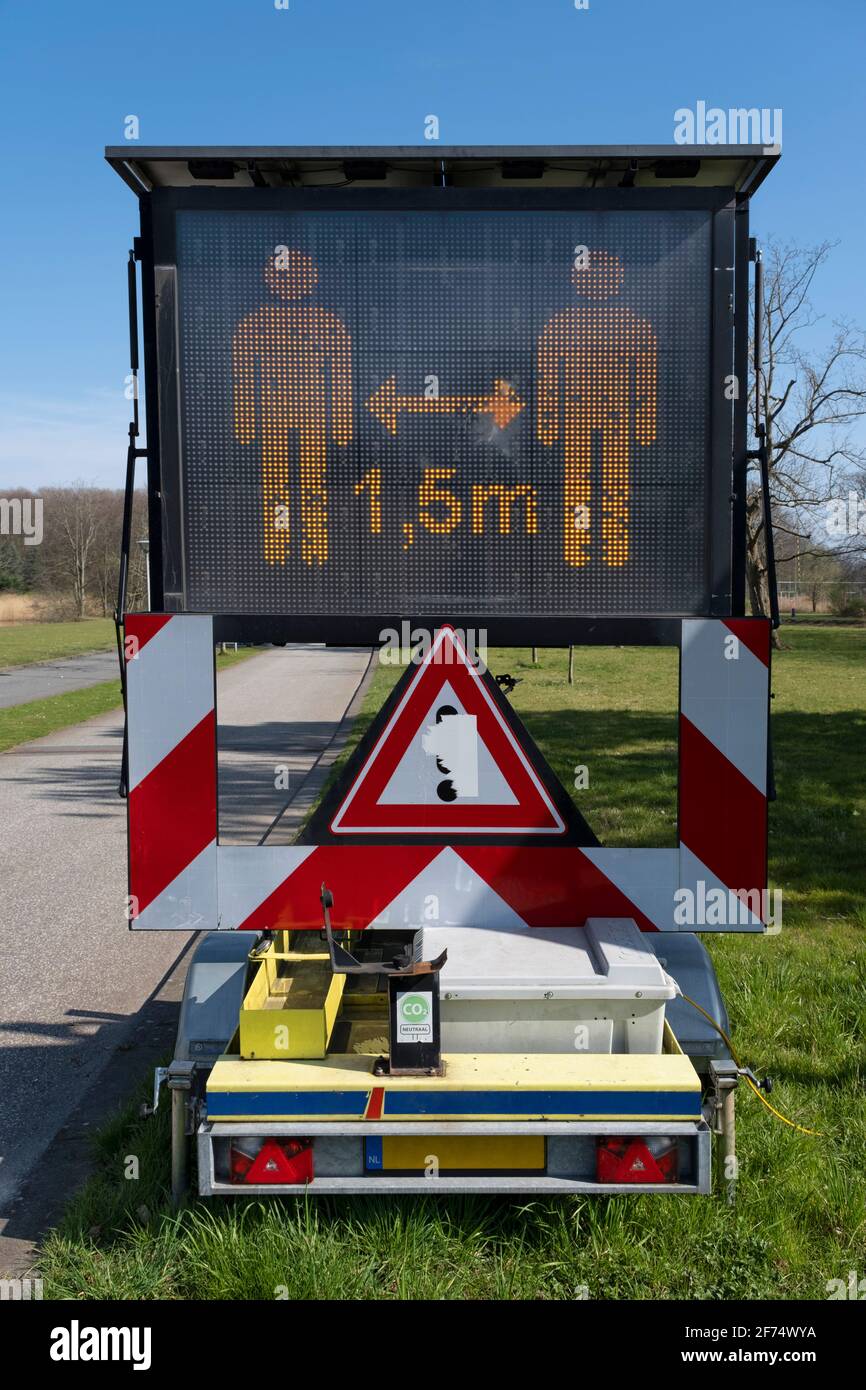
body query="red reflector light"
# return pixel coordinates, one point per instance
(628, 1159)
(288, 1161)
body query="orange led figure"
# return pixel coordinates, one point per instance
(292, 377)
(597, 370)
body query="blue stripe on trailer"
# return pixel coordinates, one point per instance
(351, 1103)
(410, 1103)
(406, 1103)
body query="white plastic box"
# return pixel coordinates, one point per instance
(597, 988)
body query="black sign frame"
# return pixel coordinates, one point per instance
(725, 530)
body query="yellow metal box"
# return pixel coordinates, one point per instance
(290, 1008)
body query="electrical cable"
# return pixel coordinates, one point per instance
(801, 1129)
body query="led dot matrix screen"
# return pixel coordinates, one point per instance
(432, 412)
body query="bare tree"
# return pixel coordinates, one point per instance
(809, 400)
(106, 550)
(853, 562)
(808, 567)
(105, 568)
(72, 524)
(76, 567)
(136, 580)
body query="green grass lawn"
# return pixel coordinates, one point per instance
(21, 723)
(21, 643)
(798, 1006)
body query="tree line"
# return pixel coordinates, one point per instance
(73, 569)
(811, 396)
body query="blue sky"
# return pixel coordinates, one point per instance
(365, 72)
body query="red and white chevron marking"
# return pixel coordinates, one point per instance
(724, 696)
(498, 886)
(181, 879)
(172, 806)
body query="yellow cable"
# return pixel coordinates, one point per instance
(801, 1129)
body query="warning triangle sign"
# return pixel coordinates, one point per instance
(447, 757)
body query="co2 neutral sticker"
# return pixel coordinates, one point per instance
(414, 1018)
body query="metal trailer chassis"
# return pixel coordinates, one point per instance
(209, 1011)
(570, 1144)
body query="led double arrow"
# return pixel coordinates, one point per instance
(503, 404)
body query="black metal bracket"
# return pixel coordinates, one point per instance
(414, 1037)
(344, 963)
(765, 1085)
(760, 455)
(133, 453)
(507, 683)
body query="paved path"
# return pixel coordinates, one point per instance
(20, 684)
(72, 978)
(283, 714)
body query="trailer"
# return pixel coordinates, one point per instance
(441, 401)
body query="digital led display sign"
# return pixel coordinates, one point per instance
(503, 412)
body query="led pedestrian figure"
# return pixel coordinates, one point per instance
(597, 379)
(292, 376)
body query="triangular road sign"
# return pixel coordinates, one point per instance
(447, 758)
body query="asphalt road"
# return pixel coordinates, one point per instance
(73, 980)
(20, 684)
(282, 714)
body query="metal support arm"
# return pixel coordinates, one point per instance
(132, 454)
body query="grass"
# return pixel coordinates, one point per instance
(21, 723)
(798, 1005)
(21, 643)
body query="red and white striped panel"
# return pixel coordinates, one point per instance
(491, 886)
(172, 806)
(181, 879)
(724, 702)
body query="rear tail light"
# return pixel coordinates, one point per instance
(285, 1161)
(630, 1159)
